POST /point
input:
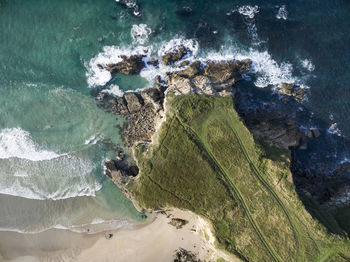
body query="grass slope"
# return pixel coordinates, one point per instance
(208, 162)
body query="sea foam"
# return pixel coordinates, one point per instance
(16, 142)
(140, 33)
(282, 12)
(28, 171)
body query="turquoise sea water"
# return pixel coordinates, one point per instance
(53, 136)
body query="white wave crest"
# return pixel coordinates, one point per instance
(60, 178)
(140, 33)
(282, 12)
(16, 142)
(28, 171)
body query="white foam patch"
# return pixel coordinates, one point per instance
(28, 171)
(334, 130)
(98, 76)
(114, 90)
(264, 67)
(282, 12)
(266, 70)
(308, 65)
(140, 33)
(189, 44)
(248, 10)
(15, 142)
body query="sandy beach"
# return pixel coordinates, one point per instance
(156, 240)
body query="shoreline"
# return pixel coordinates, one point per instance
(154, 239)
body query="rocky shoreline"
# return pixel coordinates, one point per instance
(145, 110)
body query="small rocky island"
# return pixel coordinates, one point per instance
(195, 148)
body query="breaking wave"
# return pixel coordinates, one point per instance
(28, 171)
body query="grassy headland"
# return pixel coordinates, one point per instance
(207, 161)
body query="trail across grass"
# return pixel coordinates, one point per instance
(207, 161)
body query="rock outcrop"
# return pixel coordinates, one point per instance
(210, 78)
(130, 65)
(291, 91)
(143, 109)
(120, 171)
(175, 55)
(279, 128)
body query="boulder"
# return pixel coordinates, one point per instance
(129, 65)
(223, 71)
(178, 222)
(174, 55)
(133, 102)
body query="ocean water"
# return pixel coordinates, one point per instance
(53, 136)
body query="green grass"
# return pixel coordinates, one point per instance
(208, 162)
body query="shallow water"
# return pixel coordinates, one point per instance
(53, 136)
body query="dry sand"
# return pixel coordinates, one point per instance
(154, 241)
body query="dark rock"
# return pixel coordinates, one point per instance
(178, 222)
(133, 102)
(182, 255)
(120, 172)
(129, 65)
(174, 55)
